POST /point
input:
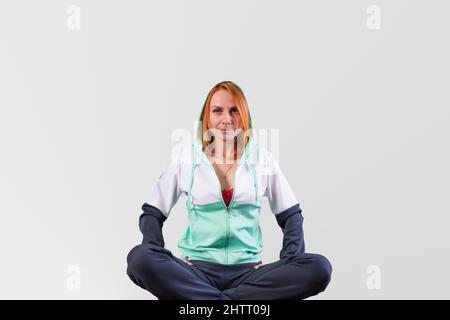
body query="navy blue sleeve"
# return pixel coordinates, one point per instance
(291, 222)
(150, 223)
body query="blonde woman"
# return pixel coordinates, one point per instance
(224, 175)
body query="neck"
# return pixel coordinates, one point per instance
(225, 151)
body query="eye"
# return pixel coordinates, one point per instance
(217, 110)
(235, 110)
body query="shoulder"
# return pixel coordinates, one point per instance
(179, 161)
(264, 159)
(181, 155)
(263, 152)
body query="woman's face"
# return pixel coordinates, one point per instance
(224, 115)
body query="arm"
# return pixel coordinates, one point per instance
(291, 222)
(150, 223)
(157, 209)
(286, 208)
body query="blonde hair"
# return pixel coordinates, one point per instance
(241, 105)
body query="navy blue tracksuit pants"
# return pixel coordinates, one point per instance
(157, 270)
(297, 275)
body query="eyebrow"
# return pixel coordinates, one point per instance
(222, 107)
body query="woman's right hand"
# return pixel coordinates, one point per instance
(186, 260)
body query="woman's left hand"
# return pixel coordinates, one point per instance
(258, 266)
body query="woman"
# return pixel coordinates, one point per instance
(224, 176)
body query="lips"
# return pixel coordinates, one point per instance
(227, 133)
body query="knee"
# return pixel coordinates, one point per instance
(135, 259)
(142, 258)
(317, 267)
(321, 270)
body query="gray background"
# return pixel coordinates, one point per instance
(86, 118)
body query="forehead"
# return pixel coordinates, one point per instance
(222, 98)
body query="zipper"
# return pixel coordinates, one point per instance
(227, 208)
(242, 159)
(227, 235)
(228, 213)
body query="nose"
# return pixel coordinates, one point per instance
(226, 118)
